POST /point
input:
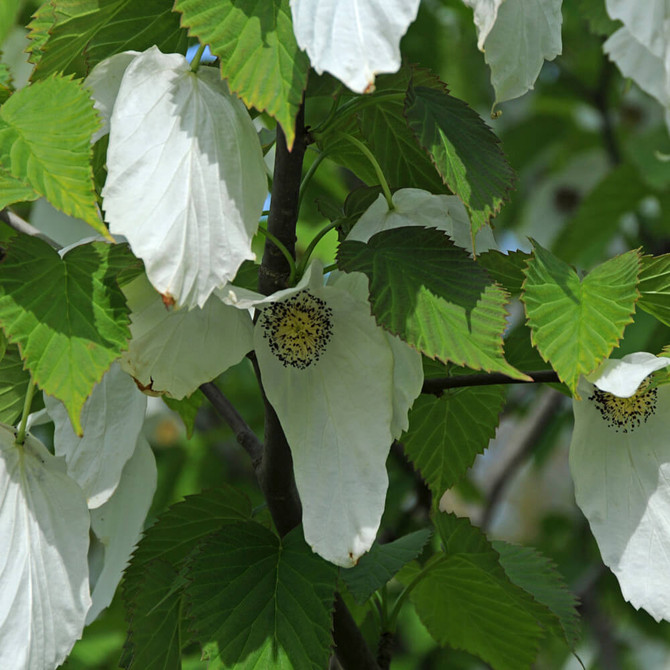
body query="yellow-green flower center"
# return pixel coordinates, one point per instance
(626, 414)
(297, 329)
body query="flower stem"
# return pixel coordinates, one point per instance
(315, 240)
(195, 63)
(285, 252)
(28, 401)
(375, 164)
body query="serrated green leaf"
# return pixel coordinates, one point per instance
(45, 143)
(14, 381)
(576, 324)
(433, 295)
(259, 54)
(467, 601)
(598, 218)
(507, 269)
(12, 189)
(654, 287)
(381, 563)
(6, 87)
(380, 123)
(265, 602)
(187, 408)
(71, 333)
(165, 546)
(446, 433)
(537, 575)
(155, 643)
(464, 150)
(78, 34)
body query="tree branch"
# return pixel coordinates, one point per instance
(243, 434)
(438, 384)
(21, 226)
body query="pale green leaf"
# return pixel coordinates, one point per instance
(467, 602)
(69, 335)
(259, 55)
(576, 323)
(433, 295)
(464, 150)
(12, 189)
(381, 563)
(446, 433)
(266, 602)
(77, 34)
(654, 287)
(45, 142)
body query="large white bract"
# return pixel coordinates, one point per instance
(44, 536)
(341, 388)
(353, 39)
(620, 464)
(186, 179)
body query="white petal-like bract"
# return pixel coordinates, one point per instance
(44, 526)
(486, 13)
(118, 523)
(186, 179)
(622, 377)
(333, 394)
(620, 465)
(112, 419)
(353, 39)
(524, 34)
(414, 207)
(173, 351)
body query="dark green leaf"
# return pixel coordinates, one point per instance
(381, 563)
(187, 408)
(507, 269)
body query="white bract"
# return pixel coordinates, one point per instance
(353, 39)
(118, 524)
(620, 464)
(341, 389)
(111, 419)
(517, 36)
(44, 527)
(186, 178)
(174, 351)
(414, 207)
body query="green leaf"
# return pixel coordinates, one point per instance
(266, 602)
(151, 576)
(14, 381)
(507, 269)
(597, 17)
(446, 433)
(45, 143)
(259, 55)
(598, 218)
(576, 324)
(68, 317)
(78, 34)
(12, 189)
(155, 621)
(654, 287)
(464, 150)
(9, 10)
(6, 87)
(187, 408)
(381, 563)
(467, 601)
(429, 292)
(537, 575)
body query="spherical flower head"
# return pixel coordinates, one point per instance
(620, 464)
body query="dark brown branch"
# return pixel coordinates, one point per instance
(243, 434)
(438, 384)
(20, 225)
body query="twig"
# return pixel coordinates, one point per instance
(243, 434)
(436, 385)
(21, 226)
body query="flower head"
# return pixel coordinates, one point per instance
(620, 464)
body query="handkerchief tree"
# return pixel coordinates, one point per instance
(305, 235)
